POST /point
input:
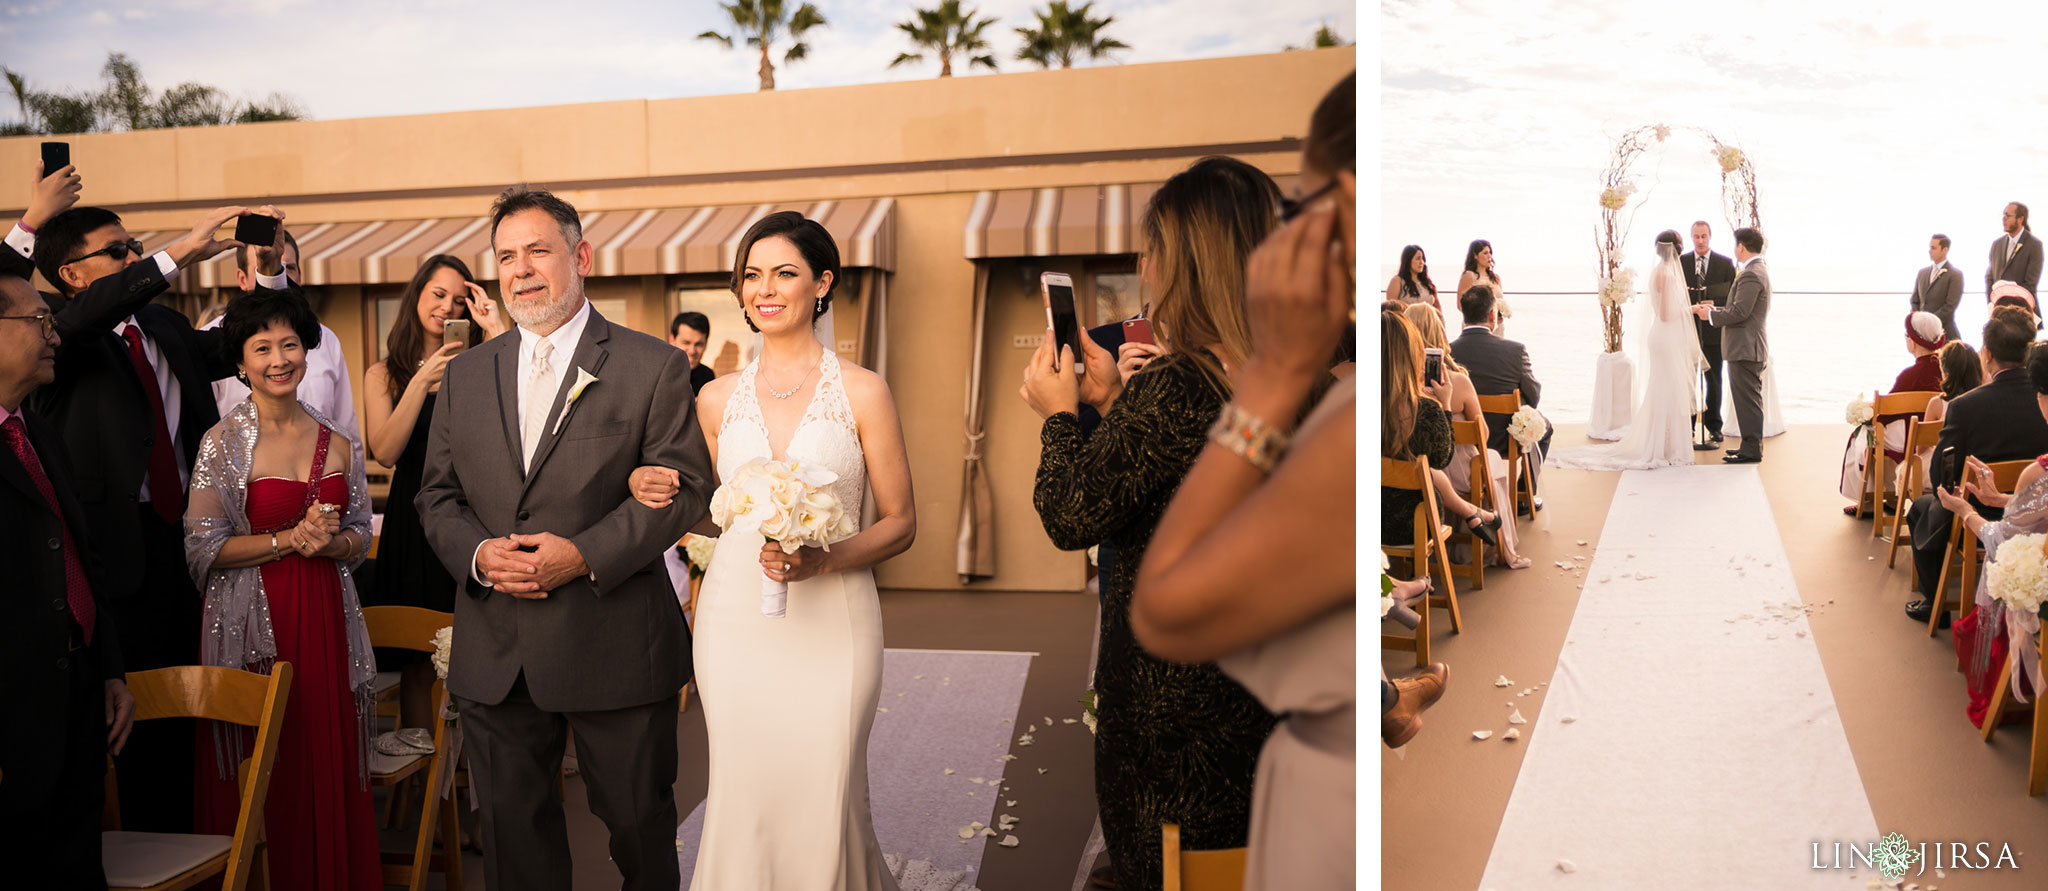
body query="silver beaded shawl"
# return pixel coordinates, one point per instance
(2026, 513)
(236, 630)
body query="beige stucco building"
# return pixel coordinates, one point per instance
(948, 197)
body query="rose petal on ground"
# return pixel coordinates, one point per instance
(949, 771)
(1009, 841)
(1512, 734)
(1517, 718)
(1567, 866)
(1481, 734)
(1502, 681)
(1567, 719)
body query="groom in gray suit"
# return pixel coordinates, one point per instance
(569, 620)
(1742, 341)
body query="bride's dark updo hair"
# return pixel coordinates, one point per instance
(1668, 245)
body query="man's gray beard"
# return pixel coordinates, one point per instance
(550, 316)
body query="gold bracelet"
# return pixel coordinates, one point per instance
(1248, 436)
(274, 552)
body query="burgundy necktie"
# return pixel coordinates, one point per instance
(166, 487)
(76, 589)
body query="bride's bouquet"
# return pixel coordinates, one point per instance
(1527, 426)
(789, 503)
(2019, 576)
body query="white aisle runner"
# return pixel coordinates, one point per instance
(1675, 748)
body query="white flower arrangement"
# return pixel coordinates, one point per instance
(1663, 132)
(699, 548)
(1088, 710)
(1386, 586)
(1527, 426)
(2020, 574)
(1618, 288)
(1861, 410)
(444, 640)
(1615, 197)
(1730, 158)
(789, 503)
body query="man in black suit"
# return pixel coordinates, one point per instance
(2016, 255)
(1939, 287)
(691, 333)
(1498, 366)
(63, 680)
(132, 397)
(1999, 421)
(1708, 276)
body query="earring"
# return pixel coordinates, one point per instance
(821, 307)
(242, 376)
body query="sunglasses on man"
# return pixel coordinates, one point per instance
(1292, 207)
(117, 252)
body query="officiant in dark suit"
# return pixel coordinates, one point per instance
(132, 397)
(2016, 255)
(1938, 287)
(1708, 276)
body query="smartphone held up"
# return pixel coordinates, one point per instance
(1433, 366)
(1060, 316)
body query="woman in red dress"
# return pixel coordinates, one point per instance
(279, 516)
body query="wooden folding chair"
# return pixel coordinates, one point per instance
(1221, 870)
(2001, 698)
(1467, 433)
(1964, 553)
(1911, 402)
(160, 861)
(1918, 434)
(412, 628)
(1521, 464)
(1426, 553)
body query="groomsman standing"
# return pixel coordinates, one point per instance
(2016, 255)
(1708, 276)
(1939, 287)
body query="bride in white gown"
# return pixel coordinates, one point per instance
(788, 702)
(1660, 428)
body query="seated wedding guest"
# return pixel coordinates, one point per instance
(2011, 294)
(1982, 637)
(1498, 366)
(68, 705)
(1999, 421)
(691, 333)
(1923, 340)
(1275, 491)
(131, 400)
(326, 387)
(1413, 422)
(1463, 404)
(1938, 287)
(1479, 271)
(1174, 743)
(1410, 284)
(279, 516)
(1961, 372)
(398, 410)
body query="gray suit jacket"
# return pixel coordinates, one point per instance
(1498, 366)
(2023, 269)
(1939, 296)
(614, 639)
(1742, 320)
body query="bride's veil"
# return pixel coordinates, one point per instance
(1664, 285)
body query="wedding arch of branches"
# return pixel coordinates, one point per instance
(1619, 201)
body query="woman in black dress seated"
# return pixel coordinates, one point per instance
(398, 410)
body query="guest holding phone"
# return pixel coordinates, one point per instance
(1175, 743)
(398, 410)
(275, 264)
(279, 518)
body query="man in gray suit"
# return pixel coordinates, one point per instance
(1742, 341)
(1498, 366)
(570, 620)
(1939, 287)
(2016, 255)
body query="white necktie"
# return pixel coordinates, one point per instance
(1699, 268)
(2012, 246)
(540, 397)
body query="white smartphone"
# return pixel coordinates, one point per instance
(1060, 316)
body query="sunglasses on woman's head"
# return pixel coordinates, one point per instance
(1292, 207)
(116, 252)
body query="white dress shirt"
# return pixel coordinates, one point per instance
(562, 361)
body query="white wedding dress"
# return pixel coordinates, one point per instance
(1660, 428)
(788, 702)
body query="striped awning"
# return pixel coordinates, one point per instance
(654, 241)
(1072, 221)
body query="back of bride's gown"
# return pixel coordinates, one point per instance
(788, 702)
(1660, 428)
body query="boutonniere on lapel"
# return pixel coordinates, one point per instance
(583, 380)
(1938, 270)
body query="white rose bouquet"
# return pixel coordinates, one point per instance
(2020, 574)
(1861, 409)
(1527, 426)
(1618, 288)
(699, 548)
(789, 503)
(444, 641)
(1730, 158)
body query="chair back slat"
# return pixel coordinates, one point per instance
(1503, 404)
(199, 691)
(405, 627)
(1221, 870)
(1467, 433)
(2006, 474)
(1912, 402)
(1398, 474)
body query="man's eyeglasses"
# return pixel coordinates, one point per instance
(1292, 207)
(43, 320)
(116, 252)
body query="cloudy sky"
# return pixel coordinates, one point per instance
(384, 57)
(1872, 125)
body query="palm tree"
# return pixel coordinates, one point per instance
(1325, 38)
(1063, 34)
(761, 23)
(945, 31)
(19, 85)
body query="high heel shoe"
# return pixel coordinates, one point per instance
(1488, 531)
